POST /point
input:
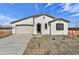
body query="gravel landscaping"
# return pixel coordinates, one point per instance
(53, 45)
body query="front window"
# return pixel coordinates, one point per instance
(13, 27)
(45, 25)
(59, 26)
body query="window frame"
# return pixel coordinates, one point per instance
(61, 25)
(45, 25)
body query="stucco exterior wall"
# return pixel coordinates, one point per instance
(13, 28)
(59, 32)
(42, 22)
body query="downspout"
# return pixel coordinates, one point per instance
(50, 27)
(33, 27)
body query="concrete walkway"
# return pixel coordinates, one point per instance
(14, 44)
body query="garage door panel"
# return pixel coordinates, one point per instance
(24, 29)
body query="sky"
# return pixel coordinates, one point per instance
(14, 11)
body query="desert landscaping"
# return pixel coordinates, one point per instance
(53, 45)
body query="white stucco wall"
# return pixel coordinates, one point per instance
(26, 21)
(42, 22)
(13, 28)
(59, 32)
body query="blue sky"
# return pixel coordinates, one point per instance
(13, 11)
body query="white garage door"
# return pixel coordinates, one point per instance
(24, 29)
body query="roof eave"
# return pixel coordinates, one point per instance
(59, 19)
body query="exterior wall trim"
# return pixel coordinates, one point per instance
(24, 25)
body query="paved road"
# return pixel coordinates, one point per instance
(14, 44)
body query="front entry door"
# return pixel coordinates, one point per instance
(39, 28)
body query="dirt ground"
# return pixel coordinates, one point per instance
(53, 45)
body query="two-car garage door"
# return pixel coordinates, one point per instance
(24, 29)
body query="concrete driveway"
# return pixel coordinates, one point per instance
(14, 44)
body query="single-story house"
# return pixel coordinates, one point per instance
(41, 24)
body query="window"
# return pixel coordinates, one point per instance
(59, 26)
(13, 27)
(43, 17)
(45, 25)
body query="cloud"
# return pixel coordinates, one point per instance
(36, 6)
(49, 4)
(65, 7)
(5, 20)
(75, 9)
(77, 14)
(70, 8)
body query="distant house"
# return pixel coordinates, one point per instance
(5, 28)
(41, 24)
(5, 31)
(74, 31)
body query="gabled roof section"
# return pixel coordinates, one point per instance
(59, 19)
(34, 16)
(21, 19)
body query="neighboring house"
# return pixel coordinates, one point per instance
(40, 24)
(5, 28)
(74, 31)
(5, 31)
